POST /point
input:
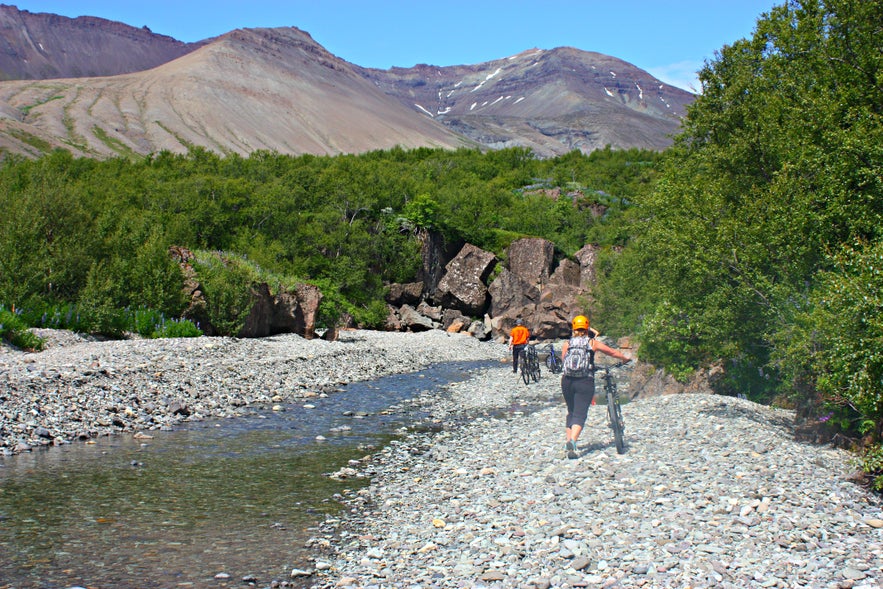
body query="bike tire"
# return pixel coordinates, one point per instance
(535, 373)
(525, 373)
(614, 413)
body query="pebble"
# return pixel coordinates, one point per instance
(79, 388)
(712, 491)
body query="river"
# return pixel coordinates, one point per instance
(211, 504)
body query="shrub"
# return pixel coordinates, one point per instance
(844, 329)
(153, 324)
(177, 328)
(14, 331)
(872, 464)
(227, 281)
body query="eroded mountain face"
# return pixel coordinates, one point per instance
(553, 101)
(109, 89)
(39, 46)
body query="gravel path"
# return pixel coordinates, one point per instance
(712, 491)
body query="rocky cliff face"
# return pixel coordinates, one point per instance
(36, 46)
(550, 101)
(119, 90)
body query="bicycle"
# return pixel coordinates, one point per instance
(530, 364)
(614, 409)
(553, 361)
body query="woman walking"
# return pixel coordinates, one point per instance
(578, 380)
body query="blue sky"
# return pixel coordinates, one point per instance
(671, 40)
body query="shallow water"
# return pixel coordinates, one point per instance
(235, 498)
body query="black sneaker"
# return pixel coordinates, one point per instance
(571, 449)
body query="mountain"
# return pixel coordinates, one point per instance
(37, 46)
(271, 89)
(551, 101)
(277, 89)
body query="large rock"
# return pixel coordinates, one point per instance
(586, 258)
(283, 312)
(451, 317)
(645, 380)
(411, 320)
(463, 285)
(404, 294)
(547, 317)
(259, 321)
(287, 314)
(531, 258)
(393, 321)
(435, 253)
(567, 273)
(509, 292)
(558, 306)
(427, 310)
(309, 298)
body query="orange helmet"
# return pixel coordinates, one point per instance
(580, 322)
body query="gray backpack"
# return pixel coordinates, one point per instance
(580, 358)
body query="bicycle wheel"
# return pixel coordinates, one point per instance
(557, 365)
(535, 372)
(525, 371)
(614, 414)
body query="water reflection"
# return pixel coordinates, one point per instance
(234, 497)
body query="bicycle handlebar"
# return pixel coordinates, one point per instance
(609, 367)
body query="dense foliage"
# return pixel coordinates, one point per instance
(96, 234)
(761, 244)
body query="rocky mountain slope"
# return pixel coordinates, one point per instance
(271, 89)
(551, 101)
(36, 46)
(129, 91)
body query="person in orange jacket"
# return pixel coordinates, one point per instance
(518, 338)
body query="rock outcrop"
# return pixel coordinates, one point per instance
(533, 285)
(269, 313)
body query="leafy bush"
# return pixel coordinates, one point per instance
(841, 332)
(153, 324)
(98, 303)
(227, 280)
(14, 331)
(871, 463)
(55, 316)
(177, 328)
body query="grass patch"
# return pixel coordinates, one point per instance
(41, 145)
(115, 145)
(14, 330)
(27, 109)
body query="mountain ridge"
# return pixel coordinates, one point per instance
(277, 89)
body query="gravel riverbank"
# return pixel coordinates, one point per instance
(711, 492)
(79, 388)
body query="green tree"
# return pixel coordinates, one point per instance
(779, 163)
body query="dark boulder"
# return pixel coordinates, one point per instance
(510, 292)
(404, 294)
(463, 285)
(531, 259)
